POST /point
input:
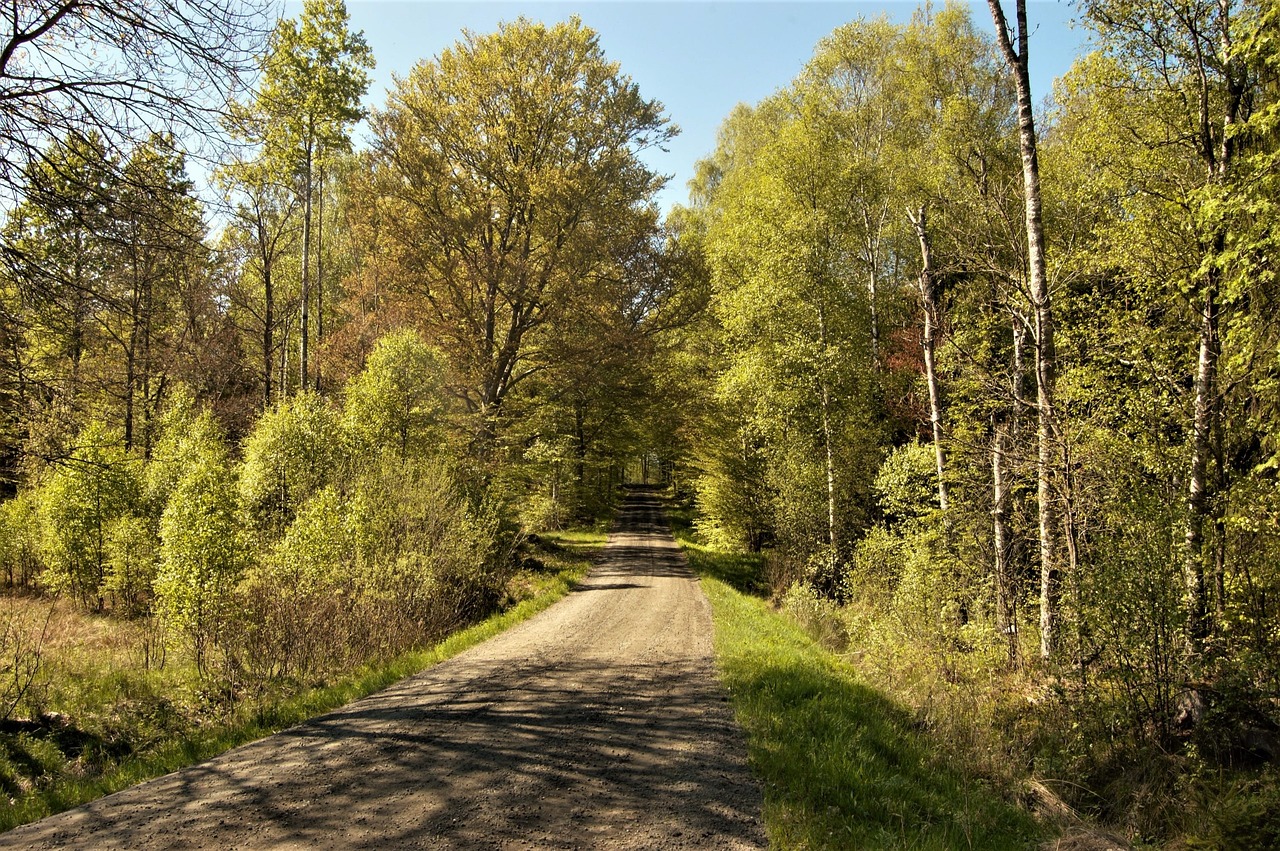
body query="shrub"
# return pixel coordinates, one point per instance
(131, 547)
(906, 486)
(20, 540)
(202, 554)
(395, 404)
(292, 452)
(95, 485)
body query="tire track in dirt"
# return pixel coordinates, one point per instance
(600, 723)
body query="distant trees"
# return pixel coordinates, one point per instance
(108, 284)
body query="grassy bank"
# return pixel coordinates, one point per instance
(109, 724)
(844, 766)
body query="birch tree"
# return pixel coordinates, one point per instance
(1013, 43)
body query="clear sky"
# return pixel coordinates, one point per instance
(699, 59)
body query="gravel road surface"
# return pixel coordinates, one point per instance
(600, 723)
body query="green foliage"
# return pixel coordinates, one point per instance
(293, 451)
(528, 138)
(79, 500)
(843, 765)
(185, 433)
(315, 72)
(906, 485)
(132, 560)
(733, 499)
(20, 538)
(396, 404)
(202, 547)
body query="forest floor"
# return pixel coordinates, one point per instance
(599, 723)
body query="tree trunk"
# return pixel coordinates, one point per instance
(580, 446)
(873, 281)
(319, 274)
(825, 394)
(1046, 366)
(1002, 538)
(929, 299)
(1197, 480)
(1071, 540)
(149, 403)
(831, 469)
(283, 383)
(131, 357)
(305, 318)
(267, 320)
(1219, 161)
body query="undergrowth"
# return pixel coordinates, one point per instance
(844, 765)
(863, 721)
(103, 721)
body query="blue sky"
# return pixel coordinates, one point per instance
(699, 58)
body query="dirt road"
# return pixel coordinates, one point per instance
(600, 723)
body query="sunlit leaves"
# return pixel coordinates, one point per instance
(510, 167)
(396, 404)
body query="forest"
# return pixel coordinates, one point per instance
(980, 379)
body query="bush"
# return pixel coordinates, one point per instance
(423, 552)
(292, 452)
(95, 485)
(395, 404)
(20, 540)
(820, 616)
(402, 561)
(907, 485)
(202, 553)
(131, 549)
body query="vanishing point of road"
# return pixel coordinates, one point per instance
(600, 723)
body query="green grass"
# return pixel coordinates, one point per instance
(567, 556)
(843, 765)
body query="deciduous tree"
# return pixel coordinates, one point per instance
(511, 164)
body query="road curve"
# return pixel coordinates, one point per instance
(600, 723)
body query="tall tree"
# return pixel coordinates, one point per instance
(158, 256)
(1188, 89)
(110, 260)
(511, 165)
(315, 72)
(261, 237)
(1014, 47)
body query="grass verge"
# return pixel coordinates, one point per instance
(566, 558)
(842, 764)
